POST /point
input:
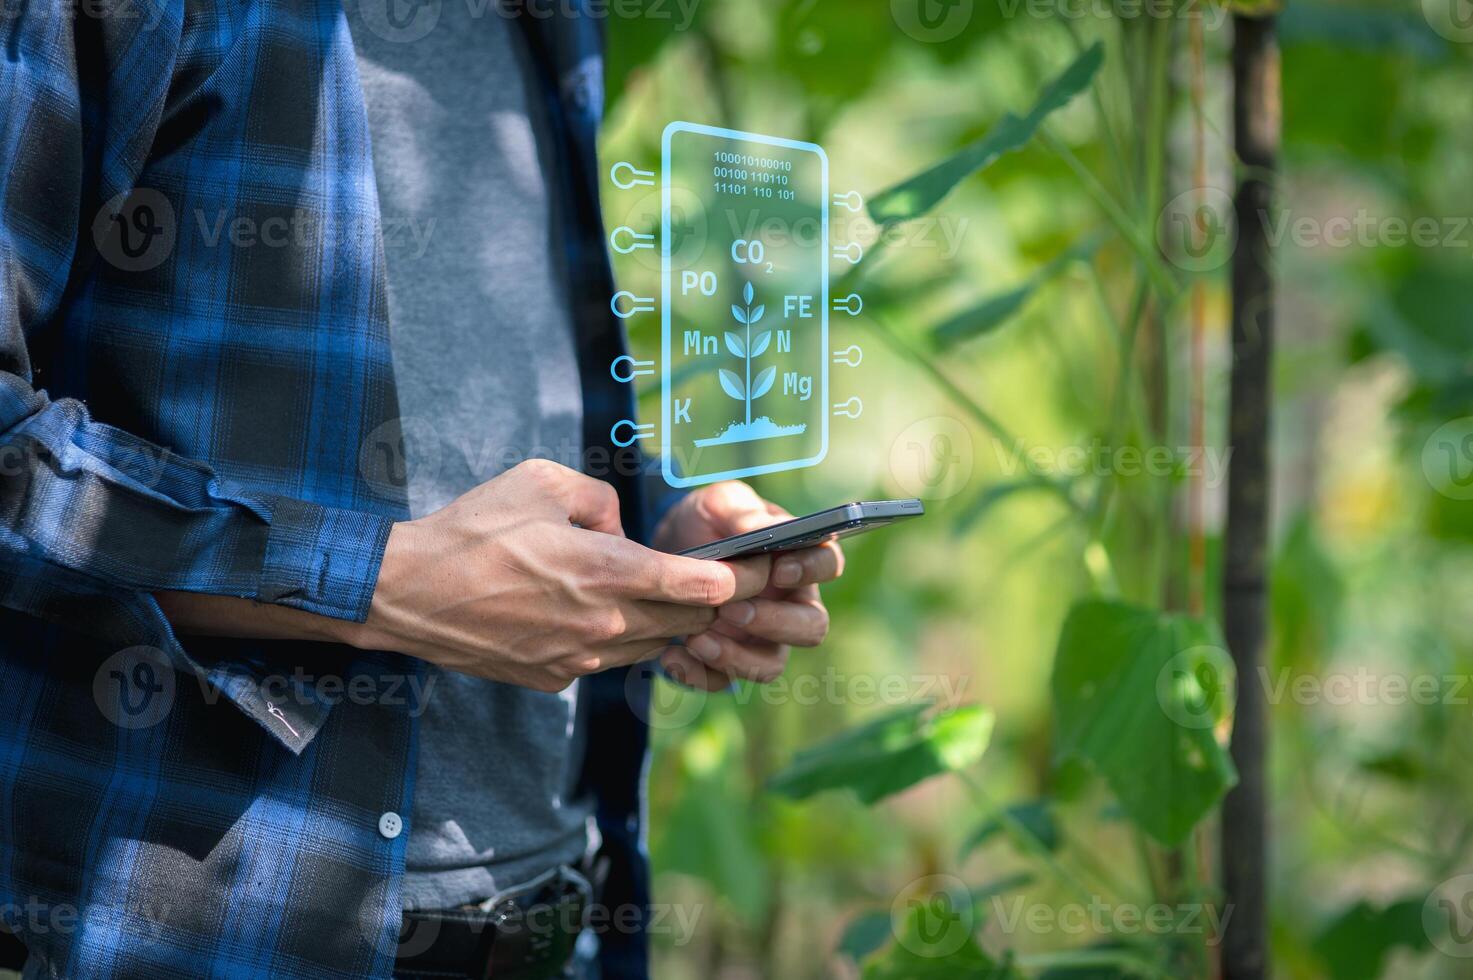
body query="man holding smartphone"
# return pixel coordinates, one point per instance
(196, 507)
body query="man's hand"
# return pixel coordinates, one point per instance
(501, 584)
(751, 635)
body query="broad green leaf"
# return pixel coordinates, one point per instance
(890, 754)
(864, 934)
(732, 385)
(921, 193)
(997, 310)
(763, 382)
(1035, 816)
(1138, 695)
(1355, 945)
(735, 344)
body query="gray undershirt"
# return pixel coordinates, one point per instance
(487, 376)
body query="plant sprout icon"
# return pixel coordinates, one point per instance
(743, 387)
(747, 348)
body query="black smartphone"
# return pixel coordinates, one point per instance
(805, 532)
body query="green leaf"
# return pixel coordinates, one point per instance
(997, 310)
(864, 934)
(1035, 816)
(889, 754)
(921, 193)
(1138, 694)
(732, 385)
(1355, 945)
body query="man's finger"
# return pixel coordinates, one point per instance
(686, 669)
(809, 566)
(638, 572)
(760, 662)
(663, 620)
(697, 582)
(798, 623)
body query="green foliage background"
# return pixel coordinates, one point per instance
(1057, 322)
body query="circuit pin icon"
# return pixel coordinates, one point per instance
(849, 409)
(635, 239)
(626, 176)
(850, 356)
(626, 369)
(853, 201)
(631, 304)
(852, 252)
(636, 432)
(851, 304)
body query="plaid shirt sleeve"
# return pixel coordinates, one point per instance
(85, 502)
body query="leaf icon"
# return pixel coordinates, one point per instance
(757, 314)
(732, 385)
(759, 343)
(748, 293)
(763, 383)
(736, 346)
(738, 313)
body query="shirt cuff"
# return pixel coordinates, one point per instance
(322, 560)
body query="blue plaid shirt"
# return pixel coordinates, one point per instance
(196, 394)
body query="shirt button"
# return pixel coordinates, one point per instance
(390, 825)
